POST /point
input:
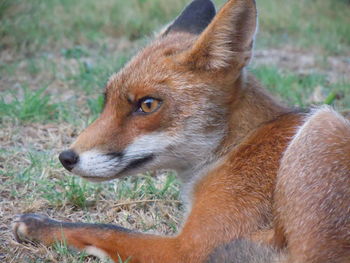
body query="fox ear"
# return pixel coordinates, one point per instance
(194, 18)
(228, 40)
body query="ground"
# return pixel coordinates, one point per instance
(56, 56)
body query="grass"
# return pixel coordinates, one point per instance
(320, 24)
(29, 25)
(33, 106)
(52, 72)
(303, 90)
(84, 22)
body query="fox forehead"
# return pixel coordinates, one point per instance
(152, 69)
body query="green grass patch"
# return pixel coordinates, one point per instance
(37, 24)
(321, 24)
(70, 190)
(92, 77)
(74, 52)
(297, 90)
(138, 188)
(33, 106)
(44, 174)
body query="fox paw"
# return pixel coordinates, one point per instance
(32, 227)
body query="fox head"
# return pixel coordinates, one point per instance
(168, 108)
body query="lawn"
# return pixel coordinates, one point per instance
(55, 58)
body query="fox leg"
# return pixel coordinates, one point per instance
(101, 240)
(193, 244)
(210, 224)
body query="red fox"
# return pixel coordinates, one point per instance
(263, 183)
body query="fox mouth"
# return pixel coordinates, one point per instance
(137, 163)
(143, 154)
(98, 167)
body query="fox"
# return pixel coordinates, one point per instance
(262, 182)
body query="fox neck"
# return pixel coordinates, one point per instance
(251, 107)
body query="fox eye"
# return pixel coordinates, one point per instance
(148, 105)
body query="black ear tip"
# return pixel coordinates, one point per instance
(208, 3)
(206, 7)
(195, 17)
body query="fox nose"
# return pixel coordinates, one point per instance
(68, 159)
